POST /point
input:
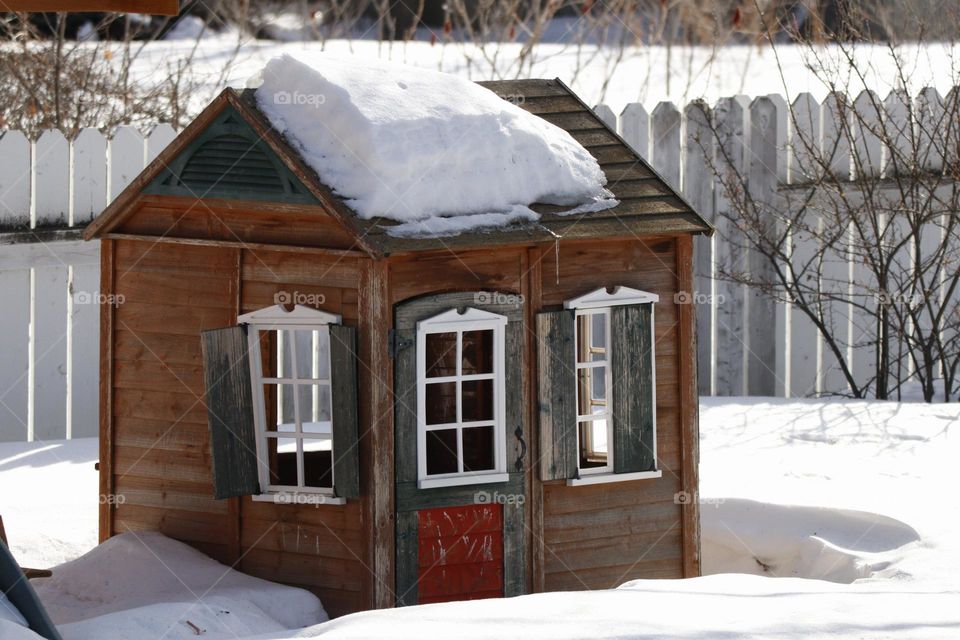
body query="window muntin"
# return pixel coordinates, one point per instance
(460, 398)
(594, 415)
(293, 406)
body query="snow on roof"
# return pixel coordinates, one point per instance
(422, 147)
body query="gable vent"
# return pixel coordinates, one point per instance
(231, 162)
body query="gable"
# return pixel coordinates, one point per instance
(229, 160)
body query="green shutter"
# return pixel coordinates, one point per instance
(557, 393)
(633, 388)
(343, 392)
(233, 446)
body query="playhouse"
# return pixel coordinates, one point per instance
(389, 418)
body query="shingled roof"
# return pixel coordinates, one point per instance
(647, 204)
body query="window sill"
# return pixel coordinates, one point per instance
(459, 481)
(603, 478)
(305, 498)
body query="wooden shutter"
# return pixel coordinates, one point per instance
(343, 393)
(557, 394)
(633, 388)
(233, 445)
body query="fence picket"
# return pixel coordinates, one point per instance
(52, 171)
(763, 168)
(15, 175)
(698, 190)
(126, 158)
(665, 142)
(635, 128)
(804, 158)
(932, 129)
(867, 124)
(607, 115)
(900, 156)
(731, 117)
(89, 175)
(158, 139)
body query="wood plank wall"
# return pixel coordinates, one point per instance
(160, 454)
(160, 460)
(599, 536)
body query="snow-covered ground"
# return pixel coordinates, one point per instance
(858, 494)
(646, 74)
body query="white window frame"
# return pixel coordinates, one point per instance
(603, 300)
(278, 318)
(453, 321)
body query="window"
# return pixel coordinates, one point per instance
(461, 435)
(292, 399)
(599, 351)
(594, 423)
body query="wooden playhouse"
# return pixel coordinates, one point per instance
(421, 419)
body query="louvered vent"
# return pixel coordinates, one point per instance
(231, 162)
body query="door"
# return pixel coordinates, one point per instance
(460, 450)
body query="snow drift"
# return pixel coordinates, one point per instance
(145, 585)
(411, 144)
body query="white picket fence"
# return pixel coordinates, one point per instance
(50, 279)
(748, 344)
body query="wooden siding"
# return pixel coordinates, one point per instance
(157, 445)
(235, 221)
(159, 458)
(599, 536)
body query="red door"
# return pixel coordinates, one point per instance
(460, 553)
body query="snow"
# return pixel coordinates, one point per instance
(145, 585)
(854, 493)
(48, 499)
(412, 144)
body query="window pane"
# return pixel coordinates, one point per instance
(598, 331)
(477, 352)
(441, 354)
(314, 408)
(278, 400)
(591, 391)
(478, 449)
(477, 400)
(313, 353)
(283, 461)
(284, 346)
(268, 352)
(441, 402)
(317, 463)
(593, 443)
(592, 337)
(442, 451)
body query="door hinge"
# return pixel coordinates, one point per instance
(396, 344)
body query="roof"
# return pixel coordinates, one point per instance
(647, 204)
